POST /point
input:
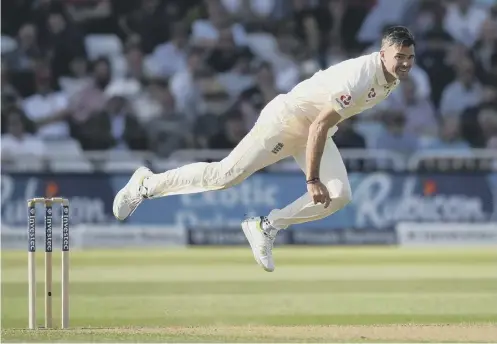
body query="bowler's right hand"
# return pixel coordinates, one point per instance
(319, 193)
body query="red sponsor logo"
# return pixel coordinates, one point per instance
(346, 99)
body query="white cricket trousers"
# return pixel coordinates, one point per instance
(275, 136)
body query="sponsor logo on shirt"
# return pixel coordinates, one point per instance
(344, 100)
(372, 93)
(277, 148)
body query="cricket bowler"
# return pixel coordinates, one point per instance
(301, 124)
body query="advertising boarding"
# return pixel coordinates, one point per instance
(380, 202)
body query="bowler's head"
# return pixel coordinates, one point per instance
(397, 52)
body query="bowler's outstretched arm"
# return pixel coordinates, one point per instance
(318, 130)
(316, 140)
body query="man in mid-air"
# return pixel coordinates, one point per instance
(301, 124)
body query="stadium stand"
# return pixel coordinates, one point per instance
(108, 85)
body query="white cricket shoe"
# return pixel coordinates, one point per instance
(261, 241)
(131, 195)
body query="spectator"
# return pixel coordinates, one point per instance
(94, 16)
(430, 15)
(232, 133)
(313, 24)
(251, 10)
(170, 57)
(206, 31)
(492, 6)
(335, 54)
(432, 59)
(464, 92)
(290, 45)
(65, 43)
(168, 130)
(348, 137)
(15, 14)
(78, 77)
(225, 52)
(492, 142)
(353, 17)
(113, 128)
(492, 71)
(395, 137)
(238, 78)
(184, 88)
(47, 107)
(177, 10)
(147, 25)
(136, 72)
(486, 46)
(41, 11)
(28, 50)
(136, 68)
(204, 128)
(286, 59)
(463, 21)
(450, 137)
(487, 118)
(17, 141)
(91, 98)
(382, 12)
(489, 94)
(253, 100)
(10, 95)
(147, 105)
(420, 112)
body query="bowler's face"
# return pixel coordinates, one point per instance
(398, 60)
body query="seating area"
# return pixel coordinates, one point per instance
(66, 156)
(109, 85)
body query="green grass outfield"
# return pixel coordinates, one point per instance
(221, 294)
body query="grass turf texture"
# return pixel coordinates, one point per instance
(219, 294)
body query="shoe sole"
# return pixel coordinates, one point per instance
(248, 235)
(119, 194)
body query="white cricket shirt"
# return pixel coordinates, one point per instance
(352, 86)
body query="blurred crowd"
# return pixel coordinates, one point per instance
(164, 75)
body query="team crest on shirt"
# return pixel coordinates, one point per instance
(372, 93)
(344, 100)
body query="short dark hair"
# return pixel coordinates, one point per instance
(398, 36)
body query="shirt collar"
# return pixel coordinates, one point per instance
(380, 74)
